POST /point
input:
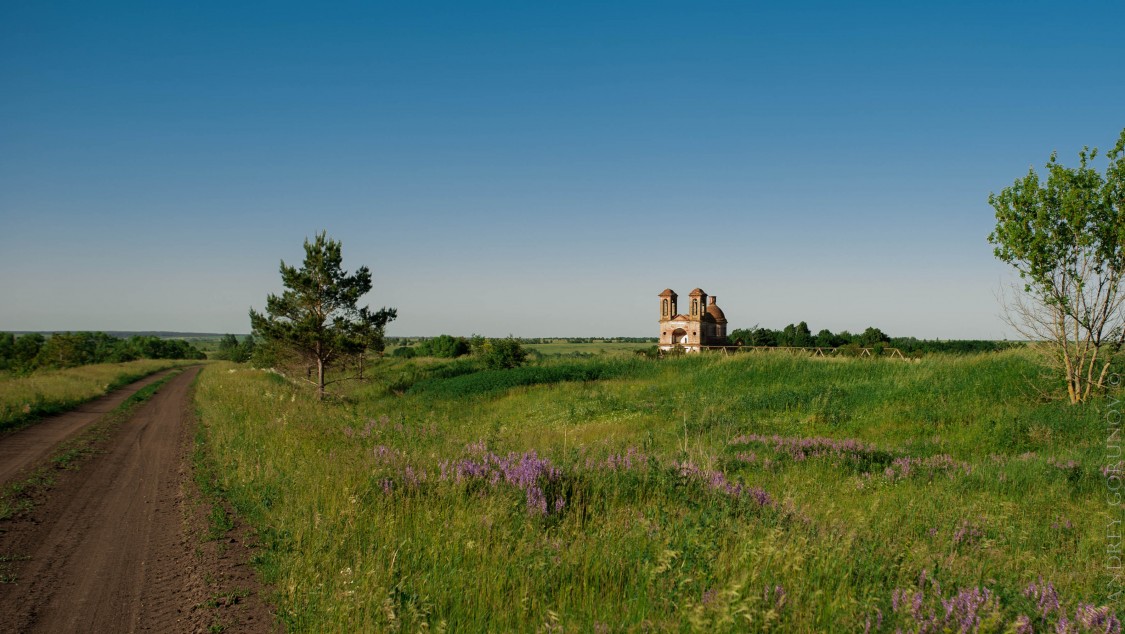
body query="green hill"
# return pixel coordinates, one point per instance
(707, 493)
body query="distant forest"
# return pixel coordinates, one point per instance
(800, 336)
(32, 351)
(794, 335)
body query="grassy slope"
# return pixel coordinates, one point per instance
(362, 534)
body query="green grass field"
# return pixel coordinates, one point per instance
(564, 348)
(703, 493)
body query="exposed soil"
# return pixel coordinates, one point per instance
(28, 447)
(118, 544)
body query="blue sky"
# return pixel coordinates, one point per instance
(535, 168)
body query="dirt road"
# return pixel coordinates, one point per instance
(113, 547)
(30, 446)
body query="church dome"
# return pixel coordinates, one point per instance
(717, 313)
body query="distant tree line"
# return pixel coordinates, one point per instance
(801, 336)
(407, 341)
(494, 353)
(33, 351)
(231, 349)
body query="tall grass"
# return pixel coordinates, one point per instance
(703, 493)
(25, 397)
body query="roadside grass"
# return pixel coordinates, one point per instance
(19, 497)
(24, 398)
(705, 493)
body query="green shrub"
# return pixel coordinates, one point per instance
(502, 354)
(444, 346)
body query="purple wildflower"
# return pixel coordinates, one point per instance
(800, 448)
(1095, 619)
(717, 481)
(633, 458)
(967, 533)
(526, 472)
(878, 622)
(1046, 597)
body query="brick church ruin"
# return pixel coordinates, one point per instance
(703, 325)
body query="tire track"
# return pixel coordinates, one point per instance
(105, 554)
(26, 448)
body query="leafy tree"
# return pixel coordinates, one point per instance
(788, 336)
(65, 350)
(445, 346)
(802, 337)
(231, 349)
(1066, 239)
(871, 337)
(246, 349)
(502, 353)
(404, 353)
(26, 348)
(7, 345)
(228, 347)
(825, 339)
(316, 320)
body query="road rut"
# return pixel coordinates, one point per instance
(111, 548)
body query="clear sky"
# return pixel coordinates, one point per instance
(535, 168)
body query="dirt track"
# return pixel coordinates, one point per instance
(30, 446)
(115, 546)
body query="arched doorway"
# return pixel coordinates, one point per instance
(680, 336)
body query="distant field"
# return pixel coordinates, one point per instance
(706, 493)
(557, 348)
(563, 348)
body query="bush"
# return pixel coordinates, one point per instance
(404, 353)
(499, 354)
(444, 346)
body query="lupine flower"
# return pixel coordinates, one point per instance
(1046, 597)
(631, 459)
(967, 533)
(1069, 465)
(878, 622)
(1062, 522)
(525, 471)
(717, 481)
(801, 448)
(779, 595)
(1097, 619)
(903, 467)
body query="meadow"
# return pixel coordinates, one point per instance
(713, 493)
(566, 348)
(24, 397)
